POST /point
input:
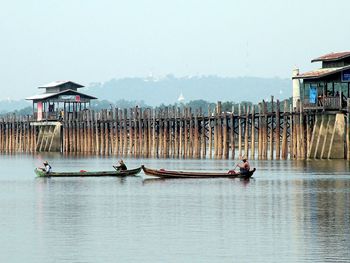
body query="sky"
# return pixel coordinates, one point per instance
(94, 41)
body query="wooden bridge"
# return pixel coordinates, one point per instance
(263, 131)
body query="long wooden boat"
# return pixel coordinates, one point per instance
(40, 173)
(187, 174)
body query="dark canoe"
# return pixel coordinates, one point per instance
(186, 174)
(41, 173)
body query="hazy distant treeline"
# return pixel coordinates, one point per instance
(198, 91)
(195, 105)
(154, 91)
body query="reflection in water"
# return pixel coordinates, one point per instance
(328, 214)
(293, 211)
(152, 179)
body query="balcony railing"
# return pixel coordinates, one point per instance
(326, 103)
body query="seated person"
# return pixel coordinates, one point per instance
(320, 100)
(244, 166)
(47, 168)
(121, 166)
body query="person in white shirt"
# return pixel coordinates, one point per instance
(47, 168)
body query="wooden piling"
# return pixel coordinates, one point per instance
(284, 132)
(181, 139)
(165, 134)
(232, 133)
(246, 132)
(203, 137)
(277, 131)
(260, 131)
(293, 135)
(126, 140)
(252, 143)
(196, 137)
(225, 137)
(210, 134)
(185, 133)
(150, 135)
(302, 132)
(219, 131)
(265, 131)
(239, 131)
(271, 144)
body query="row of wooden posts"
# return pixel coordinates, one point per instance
(254, 132)
(17, 135)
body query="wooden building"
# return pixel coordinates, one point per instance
(328, 87)
(60, 97)
(326, 92)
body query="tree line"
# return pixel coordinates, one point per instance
(195, 105)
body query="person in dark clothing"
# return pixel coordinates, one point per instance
(47, 168)
(121, 166)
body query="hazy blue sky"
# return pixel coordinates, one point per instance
(94, 41)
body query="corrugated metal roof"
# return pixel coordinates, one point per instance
(332, 56)
(48, 95)
(318, 73)
(59, 83)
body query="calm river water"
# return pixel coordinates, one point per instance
(293, 211)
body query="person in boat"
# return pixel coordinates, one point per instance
(244, 167)
(47, 167)
(121, 166)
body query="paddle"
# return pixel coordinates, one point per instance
(116, 168)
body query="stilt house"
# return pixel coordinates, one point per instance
(59, 98)
(328, 87)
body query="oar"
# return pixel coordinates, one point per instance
(116, 168)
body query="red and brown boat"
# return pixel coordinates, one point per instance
(187, 174)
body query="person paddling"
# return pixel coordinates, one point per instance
(47, 167)
(244, 166)
(121, 166)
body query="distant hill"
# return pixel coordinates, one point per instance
(155, 91)
(12, 105)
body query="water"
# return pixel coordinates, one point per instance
(293, 211)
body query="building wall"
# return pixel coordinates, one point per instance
(68, 86)
(334, 64)
(52, 90)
